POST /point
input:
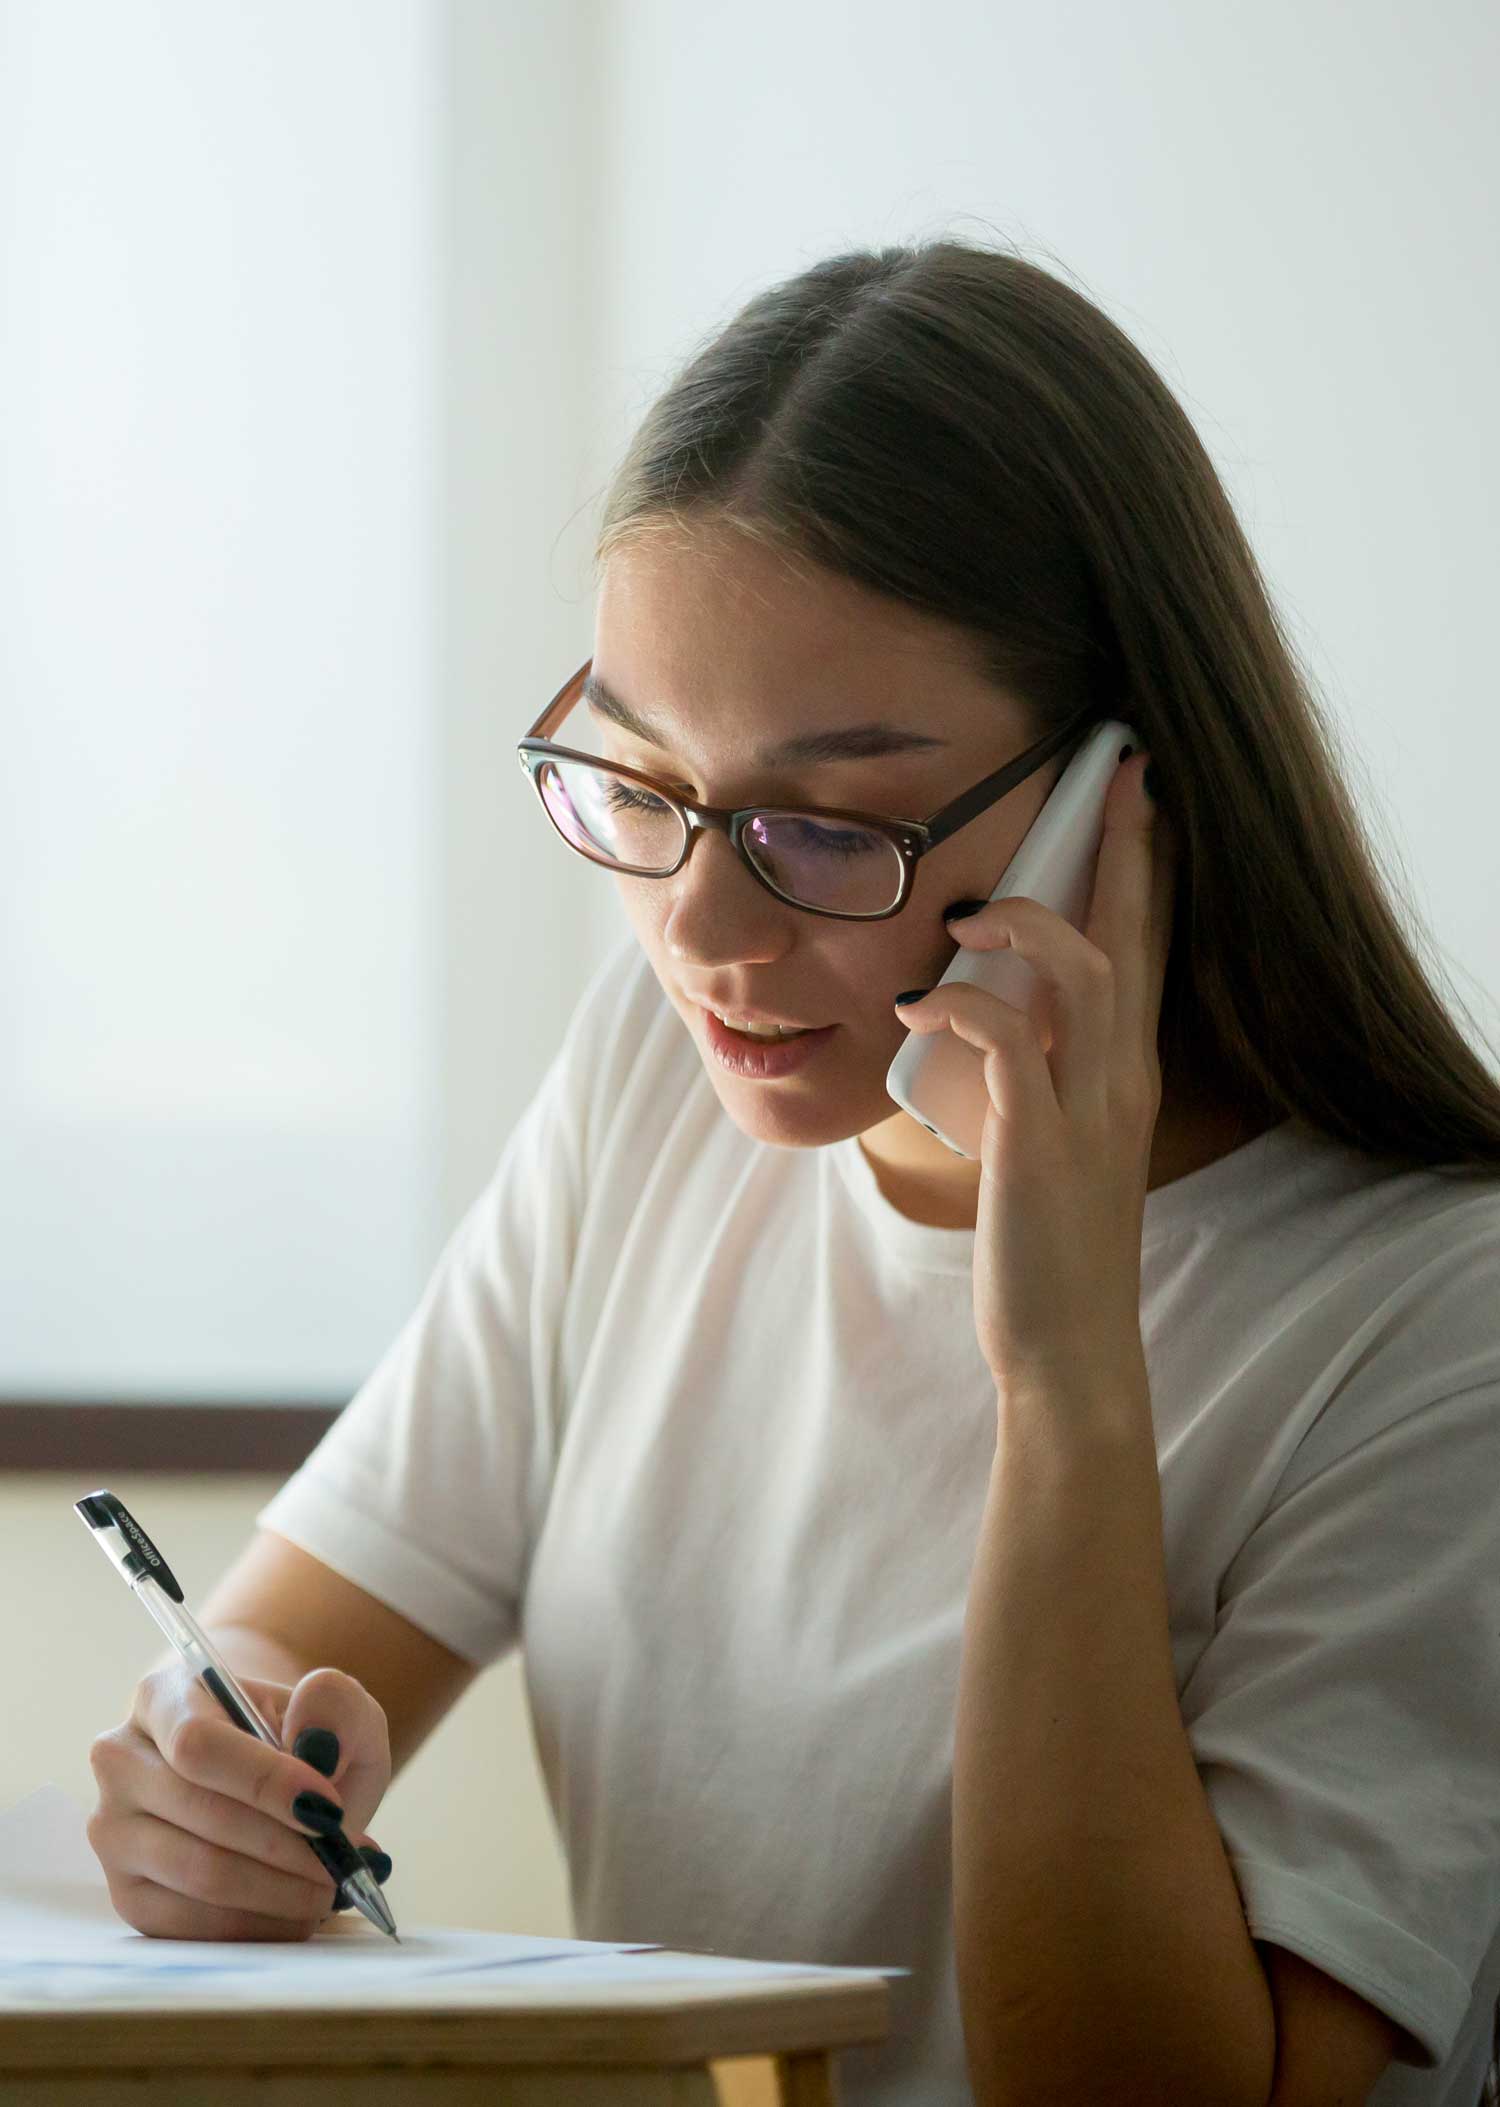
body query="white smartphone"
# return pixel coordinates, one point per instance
(939, 1078)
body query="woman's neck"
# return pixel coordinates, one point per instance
(926, 1183)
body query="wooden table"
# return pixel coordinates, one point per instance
(611, 2044)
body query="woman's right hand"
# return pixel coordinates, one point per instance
(194, 1826)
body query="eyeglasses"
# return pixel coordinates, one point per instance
(855, 866)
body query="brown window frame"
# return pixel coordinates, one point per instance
(96, 1437)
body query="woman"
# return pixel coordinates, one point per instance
(1068, 1576)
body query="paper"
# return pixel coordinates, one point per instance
(62, 1941)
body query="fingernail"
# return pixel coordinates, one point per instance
(311, 1809)
(963, 907)
(914, 994)
(342, 1901)
(318, 1746)
(1152, 783)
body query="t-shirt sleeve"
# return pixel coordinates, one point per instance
(426, 1489)
(1345, 1716)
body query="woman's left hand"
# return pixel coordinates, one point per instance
(1066, 1151)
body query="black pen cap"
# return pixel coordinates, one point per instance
(130, 1548)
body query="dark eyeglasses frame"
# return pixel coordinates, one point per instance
(912, 838)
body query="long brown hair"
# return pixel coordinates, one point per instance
(955, 427)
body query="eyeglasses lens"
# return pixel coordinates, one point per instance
(834, 865)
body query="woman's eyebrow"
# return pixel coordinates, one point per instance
(849, 742)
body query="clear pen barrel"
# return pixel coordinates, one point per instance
(195, 1646)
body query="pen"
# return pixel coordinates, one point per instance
(125, 1543)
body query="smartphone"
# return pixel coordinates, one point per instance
(939, 1078)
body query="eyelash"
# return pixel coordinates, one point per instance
(625, 794)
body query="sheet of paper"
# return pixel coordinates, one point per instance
(640, 1963)
(61, 1941)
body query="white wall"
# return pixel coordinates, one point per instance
(215, 525)
(1286, 207)
(518, 269)
(293, 373)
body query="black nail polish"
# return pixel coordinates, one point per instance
(318, 1746)
(311, 1809)
(914, 994)
(963, 907)
(378, 1861)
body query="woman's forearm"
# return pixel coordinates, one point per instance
(1102, 1951)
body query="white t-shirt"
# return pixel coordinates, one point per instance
(702, 1425)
